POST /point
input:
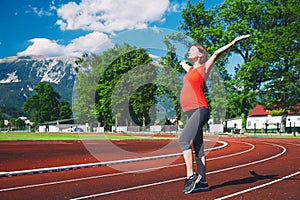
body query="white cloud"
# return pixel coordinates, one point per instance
(40, 12)
(175, 7)
(92, 43)
(110, 16)
(101, 18)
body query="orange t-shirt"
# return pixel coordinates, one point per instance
(192, 94)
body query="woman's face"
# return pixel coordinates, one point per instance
(194, 53)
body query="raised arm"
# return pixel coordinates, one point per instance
(214, 57)
(185, 66)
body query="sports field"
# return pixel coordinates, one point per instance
(66, 166)
(84, 136)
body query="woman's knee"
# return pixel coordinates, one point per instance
(184, 144)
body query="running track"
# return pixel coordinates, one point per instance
(247, 168)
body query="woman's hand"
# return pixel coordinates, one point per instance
(240, 38)
(183, 63)
(185, 66)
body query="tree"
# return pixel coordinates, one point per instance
(88, 67)
(268, 66)
(65, 110)
(123, 90)
(1, 114)
(44, 105)
(280, 53)
(113, 87)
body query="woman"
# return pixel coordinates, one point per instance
(194, 104)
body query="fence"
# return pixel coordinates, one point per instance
(17, 129)
(85, 128)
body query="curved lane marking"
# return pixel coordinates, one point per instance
(255, 162)
(234, 154)
(258, 187)
(122, 173)
(99, 164)
(174, 180)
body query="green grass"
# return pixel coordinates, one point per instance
(35, 136)
(70, 136)
(95, 136)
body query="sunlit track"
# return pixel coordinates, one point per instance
(122, 173)
(255, 162)
(290, 143)
(178, 179)
(89, 178)
(259, 186)
(159, 181)
(234, 154)
(99, 164)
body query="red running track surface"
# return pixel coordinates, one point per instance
(248, 168)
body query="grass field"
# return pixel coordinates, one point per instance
(111, 136)
(72, 136)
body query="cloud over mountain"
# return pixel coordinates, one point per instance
(98, 19)
(94, 42)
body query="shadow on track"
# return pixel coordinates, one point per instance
(254, 178)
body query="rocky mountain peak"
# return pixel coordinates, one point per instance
(20, 74)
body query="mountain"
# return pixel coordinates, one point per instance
(20, 74)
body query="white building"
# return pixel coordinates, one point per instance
(235, 123)
(260, 118)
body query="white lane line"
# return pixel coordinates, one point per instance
(290, 143)
(117, 174)
(99, 164)
(89, 178)
(252, 163)
(174, 180)
(128, 189)
(259, 186)
(234, 154)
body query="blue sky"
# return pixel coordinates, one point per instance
(57, 27)
(71, 27)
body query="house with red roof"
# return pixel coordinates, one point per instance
(260, 118)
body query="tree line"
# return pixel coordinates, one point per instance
(42, 106)
(116, 87)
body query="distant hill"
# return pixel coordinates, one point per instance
(20, 74)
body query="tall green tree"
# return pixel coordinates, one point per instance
(44, 105)
(123, 89)
(65, 110)
(89, 68)
(270, 55)
(113, 88)
(280, 53)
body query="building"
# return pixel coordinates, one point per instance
(65, 125)
(233, 125)
(260, 119)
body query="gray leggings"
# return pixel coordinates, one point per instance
(193, 131)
